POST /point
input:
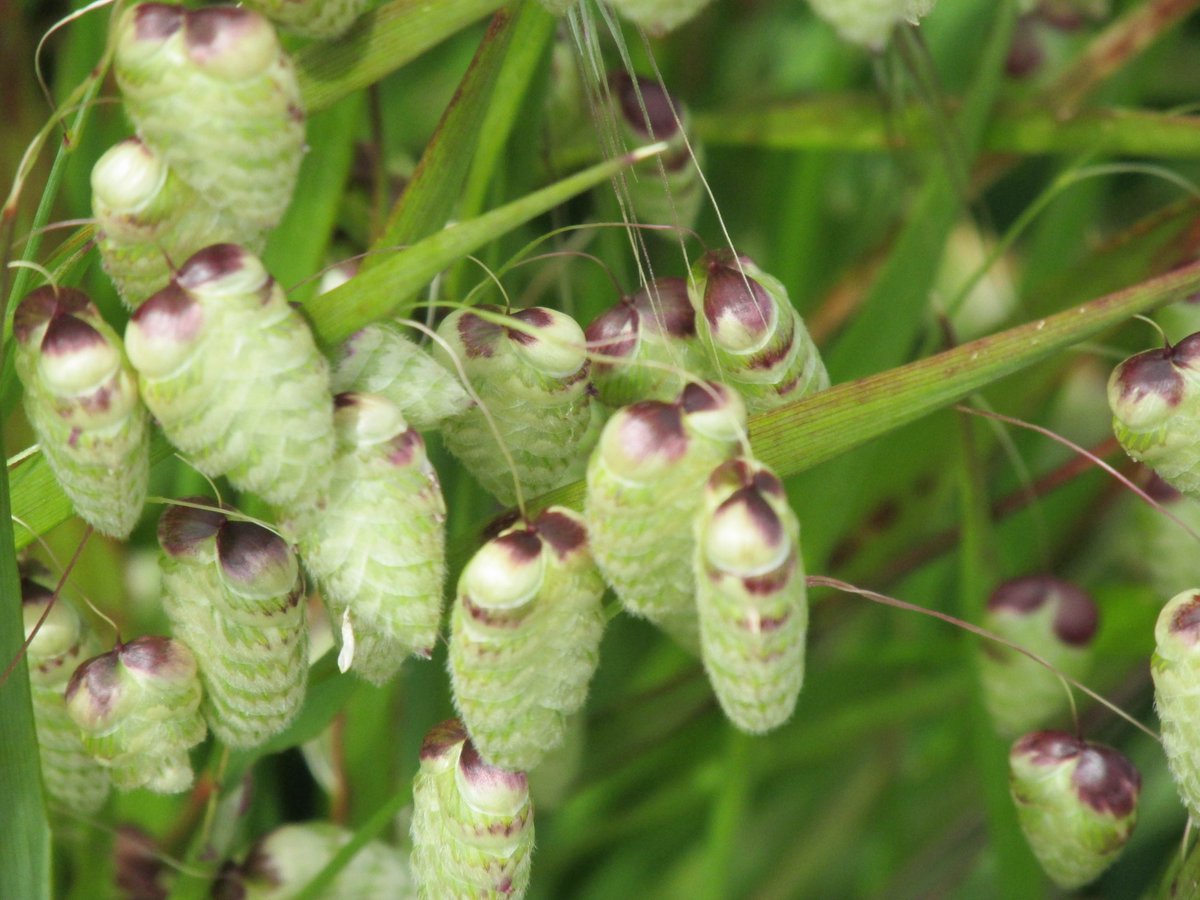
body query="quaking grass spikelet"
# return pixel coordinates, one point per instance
(869, 23)
(138, 707)
(1175, 668)
(525, 637)
(82, 401)
(472, 826)
(658, 16)
(322, 19)
(233, 592)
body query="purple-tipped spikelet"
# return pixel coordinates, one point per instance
(322, 19)
(72, 777)
(233, 591)
(645, 484)
(233, 374)
(82, 401)
(658, 16)
(375, 542)
(138, 707)
(525, 637)
(751, 595)
(472, 826)
(1047, 616)
(1155, 399)
(532, 376)
(644, 334)
(1076, 801)
(1175, 668)
(213, 92)
(746, 317)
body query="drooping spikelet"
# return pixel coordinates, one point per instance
(1047, 616)
(233, 592)
(761, 344)
(1076, 802)
(751, 595)
(72, 777)
(869, 23)
(213, 92)
(375, 540)
(148, 219)
(82, 401)
(645, 484)
(381, 359)
(472, 825)
(1155, 399)
(1156, 548)
(532, 376)
(525, 637)
(138, 707)
(323, 19)
(658, 16)
(655, 326)
(232, 373)
(1175, 668)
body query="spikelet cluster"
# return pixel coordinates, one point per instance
(1175, 668)
(322, 19)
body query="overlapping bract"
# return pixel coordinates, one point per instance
(323, 19)
(1175, 668)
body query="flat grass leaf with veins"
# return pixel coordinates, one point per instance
(138, 707)
(1175, 668)
(233, 592)
(525, 637)
(322, 19)
(82, 400)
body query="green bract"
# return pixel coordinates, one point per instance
(472, 826)
(1176, 671)
(375, 540)
(525, 637)
(751, 595)
(234, 595)
(870, 22)
(322, 19)
(82, 400)
(232, 373)
(138, 707)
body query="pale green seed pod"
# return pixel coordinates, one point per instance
(213, 92)
(281, 863)
(869, 23)
(761, 344)
(472, 826)
(645, 483)
(1047, 616)
(375, 540)
(381, 359)
(1076, 802)
(525, 637)
(138, 707)
(658, 16)
(655, 326)
(751, 595)
(533, 379)
(1175, 668)
(321, 19)
(82, 401)
(148, 218)
(72, 777)
(1155, 399)
(233, 374)
(233, 593)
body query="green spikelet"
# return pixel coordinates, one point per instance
(472, 826)
(1049, 617)
(375, 543)
(138, 707)
(233, 593)
(1076, 802)
(525, 637)
(657, 325)
(1155, 399)
(381, 359)
(148, 218)
(232, 373)
(82, 400)
(322, 19)
(645, 483)
(214, 93)
(658, 16)
(751, 595)
(869, 23)
(72, 777)
(760, 341)
(281, 863)
(1175, 668)
(1156, 548)
(533, 379)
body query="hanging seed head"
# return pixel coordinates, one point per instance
(472, 825)
(138, 709)
(1076, 802)
(1175, 668)
(1047, 616)
(869, 23)
(658, 16)
(321, 19)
